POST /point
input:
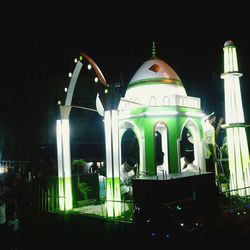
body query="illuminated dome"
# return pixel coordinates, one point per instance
(154, 68)
(154, 84)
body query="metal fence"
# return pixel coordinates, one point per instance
(45, 198)
(235, 198)
(44, 194)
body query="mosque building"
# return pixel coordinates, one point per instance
(156, 103)
(164, 120)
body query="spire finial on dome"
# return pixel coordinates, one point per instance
(153, 50)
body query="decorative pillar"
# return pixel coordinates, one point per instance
(238, 152)
(64, 164)
(113, 193)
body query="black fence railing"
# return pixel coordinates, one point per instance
(44, 195)
(235, 197)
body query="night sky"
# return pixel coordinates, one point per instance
(34, 65)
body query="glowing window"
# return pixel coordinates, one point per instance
(152, 101)
(166, 101)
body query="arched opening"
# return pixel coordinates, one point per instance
(166, 101)
(152, 101)
(181, 102)
(191, 145)
(161, 148)
(130, 146)
(130, 154)
(186, 145)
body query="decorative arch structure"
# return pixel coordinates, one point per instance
(63, 135)
(172, 121)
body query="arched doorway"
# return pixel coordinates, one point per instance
(161, 146)
(191, 143)
(130, 146)
(186, 145)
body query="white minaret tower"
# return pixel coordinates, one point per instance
(238, 153)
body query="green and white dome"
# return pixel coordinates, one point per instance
(154, 84)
